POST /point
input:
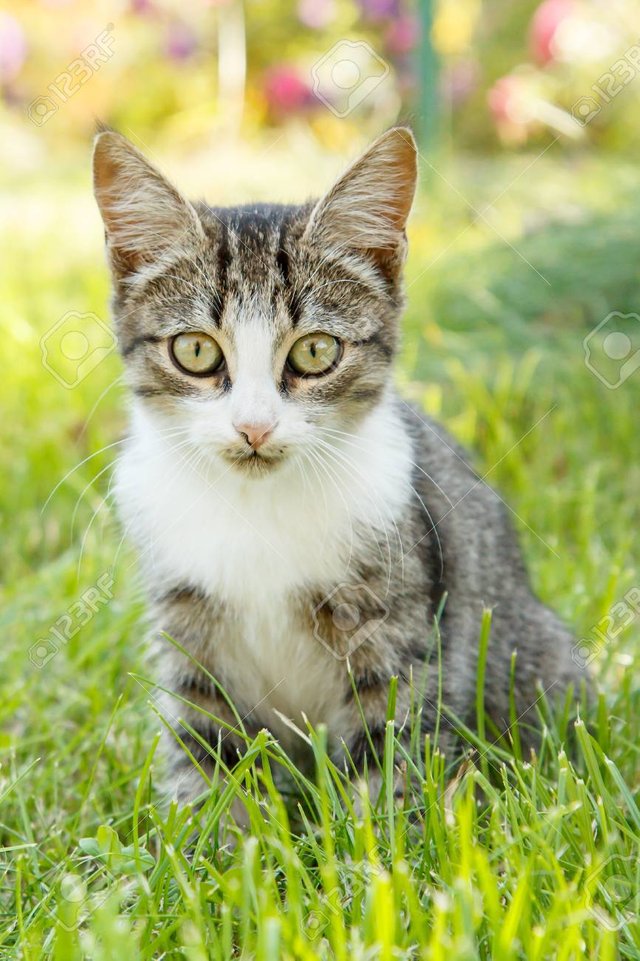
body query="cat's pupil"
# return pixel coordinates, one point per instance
(197, 348)
(312, 348)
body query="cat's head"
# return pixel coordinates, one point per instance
(257, 330)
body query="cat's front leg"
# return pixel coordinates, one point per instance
(365, 735)
(201, 733)
(376, 640)
(203, 727)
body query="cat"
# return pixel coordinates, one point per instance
(300, 526)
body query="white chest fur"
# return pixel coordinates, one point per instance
(253, 543)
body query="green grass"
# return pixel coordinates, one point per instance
(503, 857)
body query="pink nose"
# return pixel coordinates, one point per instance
(256, 433)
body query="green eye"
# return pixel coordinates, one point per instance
(196, 353)
(314, 354)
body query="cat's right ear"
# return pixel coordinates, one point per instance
(145, 217)
(367, 209)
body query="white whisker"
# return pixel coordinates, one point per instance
(434, 526)
(118, 380)
(348, 465)
(116, 443)
(332, 476)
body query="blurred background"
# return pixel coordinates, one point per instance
(521, 330)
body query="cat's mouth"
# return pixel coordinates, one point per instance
(255, 462)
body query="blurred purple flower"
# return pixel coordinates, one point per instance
(181, 42)
(405, 70)
(13, 47)
(379, 9)
(316, 13)
(285, 90)
(402, 34)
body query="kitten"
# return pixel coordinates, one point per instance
(296, 520)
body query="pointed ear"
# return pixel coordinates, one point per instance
(144, 215)
(367, 209)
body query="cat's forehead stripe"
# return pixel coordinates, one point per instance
(253, 252)
(222, 267)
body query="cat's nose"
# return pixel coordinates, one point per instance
(256, 432)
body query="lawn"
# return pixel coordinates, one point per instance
(502, 857)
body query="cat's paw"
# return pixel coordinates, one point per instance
(374, 789)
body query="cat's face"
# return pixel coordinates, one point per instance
(258, 333)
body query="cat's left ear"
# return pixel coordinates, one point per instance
(367, 209)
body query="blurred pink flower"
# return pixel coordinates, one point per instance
(459, 80)
(181, 42)
(506, 99)
(143, 7)
(285, 89)
(13, 47)
(316, 13)
(402, 34)
(544, 27)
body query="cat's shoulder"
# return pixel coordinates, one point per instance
(430, 439)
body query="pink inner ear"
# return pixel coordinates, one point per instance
(403, 169)
(118, 218)
(143, 213)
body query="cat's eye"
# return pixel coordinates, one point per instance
(314, 354)
(196, 353)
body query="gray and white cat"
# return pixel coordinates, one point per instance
(296, 520)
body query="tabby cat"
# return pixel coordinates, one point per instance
(300, 526)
